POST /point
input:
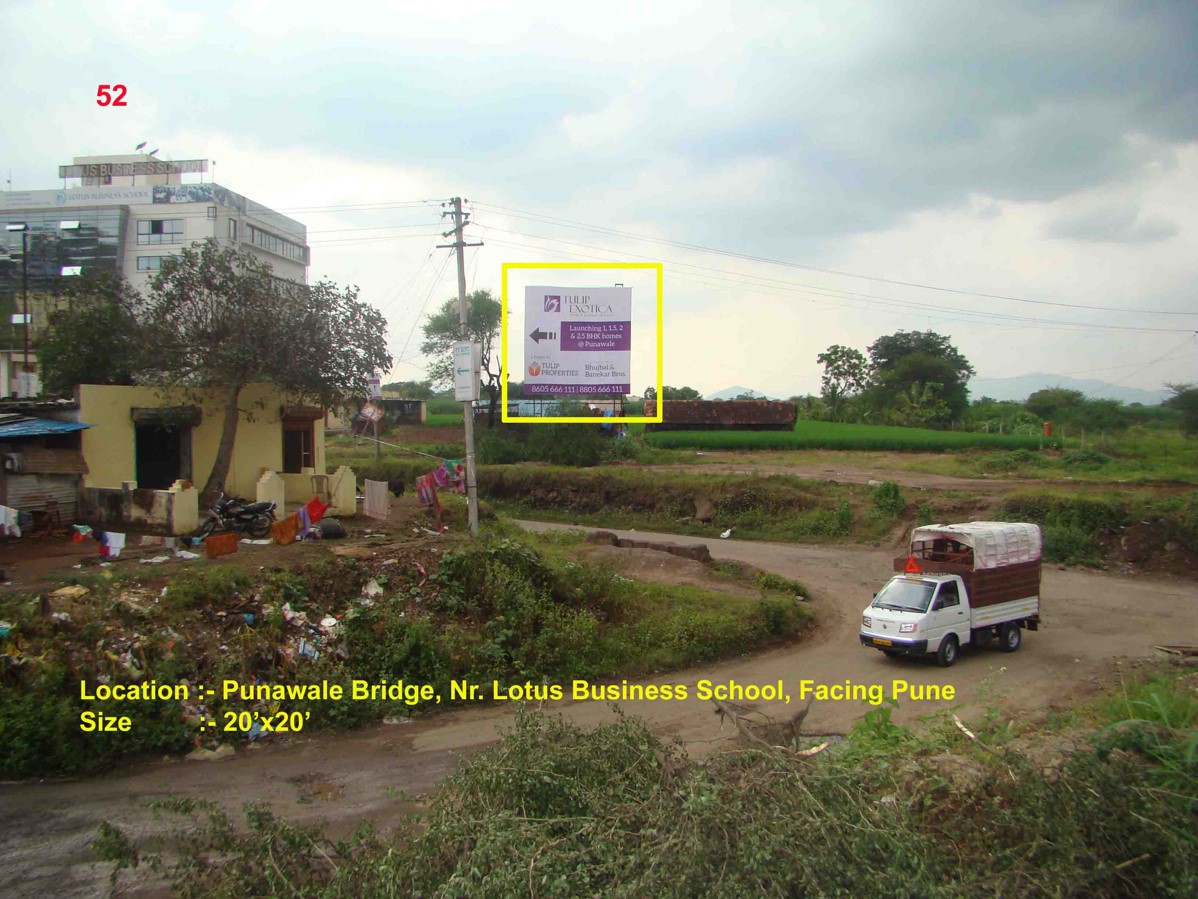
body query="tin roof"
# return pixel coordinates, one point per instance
(37, 427)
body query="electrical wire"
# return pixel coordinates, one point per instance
(994, 318)
(536, 217)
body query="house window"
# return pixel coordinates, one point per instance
(150, 263)
(157, 231)
(232, 229)
(298, 446)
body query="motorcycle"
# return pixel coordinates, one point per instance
(232, 514)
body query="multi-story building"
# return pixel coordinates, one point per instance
(122, 214)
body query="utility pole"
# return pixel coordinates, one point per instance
(459, 244)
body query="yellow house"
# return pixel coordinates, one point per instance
(139, 434)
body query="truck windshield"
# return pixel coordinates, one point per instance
(905, 595)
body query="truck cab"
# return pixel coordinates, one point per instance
(959, 583)
(916, 614)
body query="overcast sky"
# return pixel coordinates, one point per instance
(882, 163)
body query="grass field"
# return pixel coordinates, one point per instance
(832, 435)
(443, 419)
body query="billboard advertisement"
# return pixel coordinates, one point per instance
(577, 341)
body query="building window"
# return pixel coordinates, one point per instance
(156, 231)
(232, 229)
(274, 244)
(151, 263)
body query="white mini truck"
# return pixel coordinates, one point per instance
(959, 583)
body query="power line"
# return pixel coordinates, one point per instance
(831, 293)
(544, 219)
(1158, 360)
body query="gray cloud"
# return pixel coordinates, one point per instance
(1120, 223)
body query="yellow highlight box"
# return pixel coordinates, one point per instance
(577, 419)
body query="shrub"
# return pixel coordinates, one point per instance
(888, 500)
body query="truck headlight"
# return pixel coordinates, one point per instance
(866, 621)
(909, 628)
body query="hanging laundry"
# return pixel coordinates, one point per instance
(457, 474)
(305, 522)
(316, 508)
(284, 532)
(377, 502)
(426, 492)
(441, 477)
(82, 532)
(10, 521)
(115, 543)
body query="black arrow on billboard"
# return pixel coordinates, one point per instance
(538, 335)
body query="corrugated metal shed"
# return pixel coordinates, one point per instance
(37, 427)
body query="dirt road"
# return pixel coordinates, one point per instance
(1089, 619)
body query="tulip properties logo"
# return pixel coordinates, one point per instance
(553, 304)
(534, 369)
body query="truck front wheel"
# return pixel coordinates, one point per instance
(947, 654)
(1010, 636)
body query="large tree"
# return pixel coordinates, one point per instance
(93, 335)
(442, 330)
(905, 359)
(846, 371)
(1185, 401)
(219, 320)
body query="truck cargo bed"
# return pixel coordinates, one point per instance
(987, 586)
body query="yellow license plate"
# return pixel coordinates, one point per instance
(880, 642)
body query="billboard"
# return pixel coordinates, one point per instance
(577, 341)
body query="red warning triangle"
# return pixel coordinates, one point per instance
(912, 567)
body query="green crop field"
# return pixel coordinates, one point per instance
(443, 419)
(831, 435)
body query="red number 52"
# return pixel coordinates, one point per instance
(104, 98)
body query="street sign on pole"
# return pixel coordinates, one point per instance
(466, 364)
(375, 385)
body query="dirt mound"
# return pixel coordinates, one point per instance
(1150, 546)
(663, 568)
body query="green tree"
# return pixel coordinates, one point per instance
(680, 393)
(907, 358)
(1049, 402)
(415, 390)
(442, 330)
(1185, 401)
(218, 319)
(846, 371)
(93, 336)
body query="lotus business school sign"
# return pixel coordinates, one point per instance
(126, 169)
(577, 341)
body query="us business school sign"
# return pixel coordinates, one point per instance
(126, 169)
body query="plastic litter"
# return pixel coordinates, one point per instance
(5, 629)
(224, 751)
(372, 587)
(256, 542)
(73, 592)
(184, 554)
(308, 651)
(157, 560)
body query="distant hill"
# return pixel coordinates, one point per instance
(1021, 387)
(731, 393)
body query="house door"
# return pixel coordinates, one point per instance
(299, 446)
(162, 454)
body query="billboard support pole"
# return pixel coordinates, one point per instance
(459, 244)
